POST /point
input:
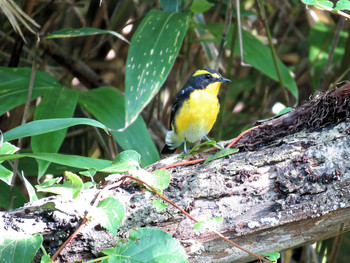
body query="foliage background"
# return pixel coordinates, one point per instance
(90, 75)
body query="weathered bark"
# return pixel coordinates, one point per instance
(293, 191)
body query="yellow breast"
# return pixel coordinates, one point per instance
(198, 114)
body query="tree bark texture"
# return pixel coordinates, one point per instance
(281, 194)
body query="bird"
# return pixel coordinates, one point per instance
(195, 110)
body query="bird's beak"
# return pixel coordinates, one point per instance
(224, 80)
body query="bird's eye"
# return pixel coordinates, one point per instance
(207, 76)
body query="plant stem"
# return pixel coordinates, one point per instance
(262, 13)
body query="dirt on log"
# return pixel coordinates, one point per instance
(273, 195)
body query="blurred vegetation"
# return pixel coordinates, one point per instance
(76, 60)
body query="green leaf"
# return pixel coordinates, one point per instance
(30, 190)
(172, 5)
(18, 198)
(220, 154)
(124, 162)
(107, 105)
(20, 249)
(319, 39)
(309, 2)
(146, 245)
(256, 54)
(260, 57)
(199, 224)
(8, 148)
(274, 256)
(84, 31)
(211, 223)
(200, 6)
(161, 180)
(49, 125)
(63, 159)
(5, 175)
(212, 143)
(45, 259)
(152, 53)
(342, 5)
(285, 110)
(58, 103)
(14, 86)
(89, 173)
(159, 205)
(323, 3)
(110, 214)
(70, 187)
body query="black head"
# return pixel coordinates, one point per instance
(202, 77)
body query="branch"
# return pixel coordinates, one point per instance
(291, 191)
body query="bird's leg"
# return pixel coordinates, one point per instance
(205, 136)
(185, 148)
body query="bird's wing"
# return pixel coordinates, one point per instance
(183, 95)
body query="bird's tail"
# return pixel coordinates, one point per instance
(172, 141)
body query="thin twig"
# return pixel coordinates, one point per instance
(240, 33)
(262, 13)
(24, 119)
(85, 219)
(331, 52)
(227, 24)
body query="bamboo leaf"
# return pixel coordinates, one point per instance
(153, 50)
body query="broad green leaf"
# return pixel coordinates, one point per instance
(256, 54)
(124, 162)
(159, 179)
(5, 175)
(159, 205)
(110, 214)
(220, 154)
(107, 105)
(84, 31)
(152, 53)
(45, 259)
(49, 125)
(260, 57)
(14, 86)
(63, 159)
(70, 187)
(18, 198)
(200, 6)
(172, 5)
(58, 103)
(146, 245)
(8, 148)
(20, 249)
(342, 5)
